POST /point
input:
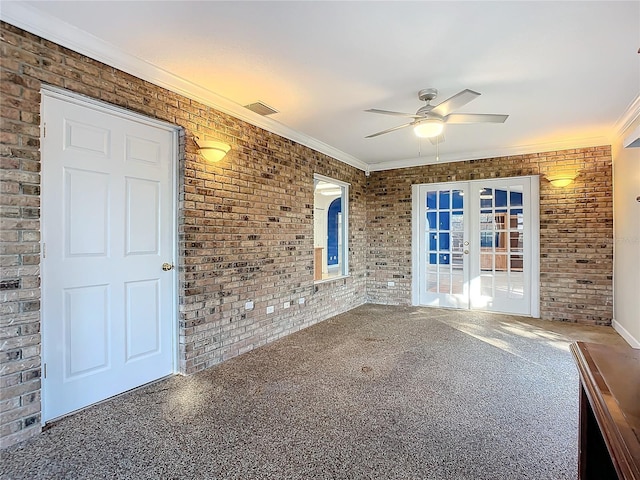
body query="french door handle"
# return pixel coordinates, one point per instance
(466, 252)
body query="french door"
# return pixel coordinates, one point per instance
(476, 245)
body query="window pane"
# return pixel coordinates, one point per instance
(501, 284)
(445, 284)
(444, 220)
(486, 285)
(457, 242)
(516, 263)
(500, 198)
(445, 200)
(457, 221)
(486, 262)
(431, 220)
(330, 228)
(516, 242)
(444, 241)
(486, 239)
(486, 198)
(432, 282)
(432, 241)
(458, 199)
(431, 200)
(516, 199)
(516, 287)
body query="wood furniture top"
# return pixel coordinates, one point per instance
(610, 377)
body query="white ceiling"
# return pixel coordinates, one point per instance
(567, 73)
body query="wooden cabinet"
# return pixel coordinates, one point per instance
(609, 440)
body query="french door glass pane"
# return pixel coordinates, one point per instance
(501, 242)
(445, 238)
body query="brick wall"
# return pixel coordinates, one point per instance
(245, 224)
(576, 229)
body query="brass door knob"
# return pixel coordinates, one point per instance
(167, 266)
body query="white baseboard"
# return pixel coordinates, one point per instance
(626, 335)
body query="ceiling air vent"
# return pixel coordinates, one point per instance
(261, 108)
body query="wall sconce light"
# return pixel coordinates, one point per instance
(212, 150)
(428, 128)
(562, 179)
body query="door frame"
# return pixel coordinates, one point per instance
(535, 238)
(50, 91)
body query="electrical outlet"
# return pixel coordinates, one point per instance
(248, 305)
(391, 284)
(287, 304)
(270, 309)
(301, 301)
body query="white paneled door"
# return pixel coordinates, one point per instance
(108, 223)
(476, 245)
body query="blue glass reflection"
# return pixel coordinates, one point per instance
(458, 199)
(444, 220)
(500, 198)
(444, 241)
(444, 259)
(516, 199)
(432, 258)
(432, 241)
(431, 200)
(445, 200)
(431, 220)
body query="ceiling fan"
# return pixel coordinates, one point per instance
(429, 120)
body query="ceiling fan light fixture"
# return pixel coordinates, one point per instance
(428, 128)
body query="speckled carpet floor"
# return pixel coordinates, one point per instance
(377, 393)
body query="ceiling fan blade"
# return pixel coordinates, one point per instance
(397, 114)
(475, 118)
(437, 140)
(388, 130)
(453, 103)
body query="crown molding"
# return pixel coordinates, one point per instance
(630, 115)
(53, 29)
(493, 153)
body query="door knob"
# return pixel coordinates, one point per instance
(466, 252)
(167, 266)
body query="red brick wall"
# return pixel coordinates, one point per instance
(576, 229)
(245, 224)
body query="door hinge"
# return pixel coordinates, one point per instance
(44, 250)
(44, 130)
(44, 370)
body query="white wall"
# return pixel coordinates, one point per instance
(626, 221)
